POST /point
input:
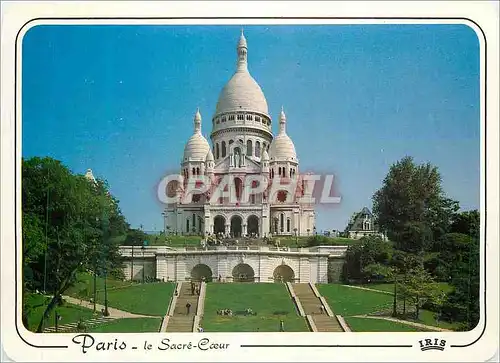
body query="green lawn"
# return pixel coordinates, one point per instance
(379, 325)
(148, 299)
(175, 241)
(84, 287)
(429, 318)
(69, 313)
(389, 287)
(348, 301)
(136, 325)
(271, 302)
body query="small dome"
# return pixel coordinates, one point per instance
(196, 148)
(282, 148)
(210, 156)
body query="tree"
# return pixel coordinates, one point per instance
(71, 208)
(419, 288)
(467, 222)
(411, 206)
(368, 251)
(462, 304)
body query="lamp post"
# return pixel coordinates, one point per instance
(142, 248)
(104, 225)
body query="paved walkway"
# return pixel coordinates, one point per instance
(114, 313)
(412, 323)
(368, 289)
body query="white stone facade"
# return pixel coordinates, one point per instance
(264, 264)
(243, 146)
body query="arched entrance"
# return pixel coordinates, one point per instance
(243, 273)
(283, 273)
(201, 270)
(253, 225)
(219, 224)
(236, 226)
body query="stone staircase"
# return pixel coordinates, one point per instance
(311, 304)
(180, 321)
(325, 323)
(72, 327)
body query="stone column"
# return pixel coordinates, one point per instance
(228, 228)
(244, 232)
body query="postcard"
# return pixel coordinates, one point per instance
(249, 181)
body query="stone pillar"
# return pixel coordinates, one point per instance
(179, 227)
(228, 228)
(244, 232)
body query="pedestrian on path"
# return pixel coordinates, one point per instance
(188, 307)
(282, 325)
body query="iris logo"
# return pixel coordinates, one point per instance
(432, 344)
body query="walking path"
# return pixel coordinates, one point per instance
(114, 313)
(368, 289)
(412, 323)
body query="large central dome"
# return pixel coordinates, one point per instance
(242, 92)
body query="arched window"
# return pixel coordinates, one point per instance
(257, 149)
(249, 117)
(263, 146)
(223, 147)
(282, 222)
(187, 225)
(217, 151)
(217, 121)
(223, 119)
(197, 171)
(249, 147)
(257, 118)
(194, 171)
(241, 117)
(288, 222)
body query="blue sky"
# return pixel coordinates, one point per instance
(121, 99)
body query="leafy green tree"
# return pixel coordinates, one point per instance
(467, 222)
(462, 304)
(411, 206)
(68, 219)
(368, 251)
(419, 288)
(136, 237)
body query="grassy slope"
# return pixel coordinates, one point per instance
(147, 299)
(376, 325)
(84, 287)
(69, 313)
(347, 301)
(271, 302)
